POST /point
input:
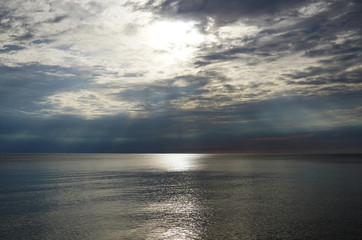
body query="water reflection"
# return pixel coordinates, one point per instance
(187, 196)
(176, 208)
(177, 162)
(178, 218)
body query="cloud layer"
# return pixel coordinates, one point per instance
(192, 75)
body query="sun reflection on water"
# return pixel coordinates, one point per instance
(178, 162)
(178, 218)
(178, 211)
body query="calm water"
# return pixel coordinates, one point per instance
(180, 196)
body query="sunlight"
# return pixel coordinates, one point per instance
(175, 38)
(178, 162)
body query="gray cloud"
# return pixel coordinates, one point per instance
(263, 126)
(159, 96)
(132, 75)
(23, 88)
(312, 77)
(26, 36)
(306, 34)
(57, 19)
(9, 48)
(224, 12)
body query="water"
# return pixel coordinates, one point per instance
(180, 196)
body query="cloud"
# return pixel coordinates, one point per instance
(277, 126)
(10, 48)
(24, 88)
(193, 71)
(223, 12)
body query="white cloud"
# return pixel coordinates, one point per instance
(88, 104)
(123, 48)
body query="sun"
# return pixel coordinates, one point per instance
(177, 38)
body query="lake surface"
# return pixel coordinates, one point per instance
(180, 196)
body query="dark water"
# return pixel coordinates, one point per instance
(180, 196)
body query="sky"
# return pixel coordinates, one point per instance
(181, 76)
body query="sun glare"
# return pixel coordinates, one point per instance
(176, 38)
(178, 162)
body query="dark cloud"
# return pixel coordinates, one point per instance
(10, 48)
(169, 94)
(312, 77)
(57, 19)
(223, 12)
(23, 87)
(331, 34)
(156, 97)
(265, 126)
(26, 36)
(202, 63)
(224, 55)
(42, 41)
(5, 19)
